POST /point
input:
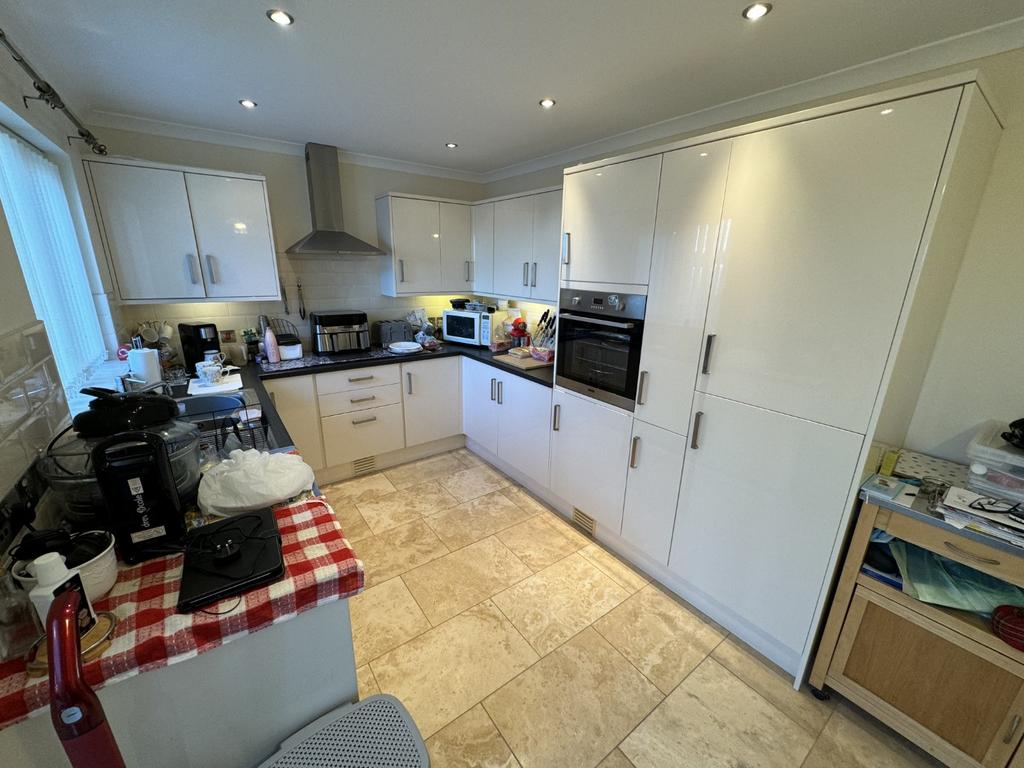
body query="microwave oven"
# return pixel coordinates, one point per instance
(466, 326)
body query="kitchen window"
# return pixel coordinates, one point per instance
(36, 206)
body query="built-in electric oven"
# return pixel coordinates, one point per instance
(599, 337)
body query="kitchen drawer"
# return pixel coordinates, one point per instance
(356, 378)
(359, 399)
(929, 681)
(995, 562)
(351, 436)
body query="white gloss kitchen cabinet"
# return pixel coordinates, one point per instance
(433, 404)
(174, 234)
(509, 416)
(361, 413)
(456, 247)
(652, 489)
(818, 251)
(589, 455)
(524, 248)
(758, 516)
(294, 398)
(409, 232)
(608, 215)
(685, 238)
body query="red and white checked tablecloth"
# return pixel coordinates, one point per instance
(320, 567)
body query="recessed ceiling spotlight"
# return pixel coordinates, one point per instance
(451, 144)
(546, 103)
(756, 11)
(248, 103)
(278, 16)
(887, 111)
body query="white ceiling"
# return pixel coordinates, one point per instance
(398, 78)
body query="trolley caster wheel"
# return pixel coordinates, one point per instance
(820, 695)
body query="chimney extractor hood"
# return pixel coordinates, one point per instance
(323, 174)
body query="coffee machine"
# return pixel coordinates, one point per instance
(196, 341)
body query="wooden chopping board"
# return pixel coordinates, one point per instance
(526, 363)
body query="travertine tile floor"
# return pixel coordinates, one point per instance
(514, 640)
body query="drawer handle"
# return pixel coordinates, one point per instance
(970, 555)
(354, 379)
(367, 420)
(1014, 725)
(362, 399)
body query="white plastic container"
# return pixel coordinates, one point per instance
(997, 468)
(51, 574)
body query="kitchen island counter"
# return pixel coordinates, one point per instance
(321, 570)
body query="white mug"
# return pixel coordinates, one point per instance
(209, 371)
(212, 356)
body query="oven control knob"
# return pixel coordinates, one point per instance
(575, 300)
(615, 302)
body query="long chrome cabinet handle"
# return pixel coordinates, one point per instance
(695, 435)
(362, 399)
(641, 389)
(708, 342)
(367, 420)
(494, 384)
(501, 392)
(526, 274)
(191, 265)
(633, 451)
(467, 271)
(408, 382)
(566, 244)
(533, 278)
(354, 379)
(597, 321)
(970, 555)
(209, 268)
(556, 418)
(401, 270)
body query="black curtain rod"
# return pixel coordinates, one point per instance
(50, 96)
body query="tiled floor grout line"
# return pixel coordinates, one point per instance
(497, 730)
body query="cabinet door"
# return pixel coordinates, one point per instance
(456, 247)
(513, 246)
(233, 232)
(416, 244)
(148, 229)
(652, 489)
(759, 509)
(483, 248)
(685, 237)
(609, 213)
(822, 224)
(547, 244)
(296, 402)
(480, 403)
(589, 452)
(353, 436)
(919, 674)
(433, 399)
(524, 426)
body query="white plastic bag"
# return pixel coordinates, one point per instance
(252, 480)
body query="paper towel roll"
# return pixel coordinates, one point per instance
(144, 364)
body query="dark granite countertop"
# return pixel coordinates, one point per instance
(377, 356)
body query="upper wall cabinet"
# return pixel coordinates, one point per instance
(178, 235)
(822, 223)
(523, 249)
(483, 248)
(428, 245)
(608, 218)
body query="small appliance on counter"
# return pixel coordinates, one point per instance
(196, 341)
(469, 326)
(81, 466)
(389, 332)
(339, 330)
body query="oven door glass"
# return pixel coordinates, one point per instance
(461, 328)
(601, 355)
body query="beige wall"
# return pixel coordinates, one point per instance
(977, 370)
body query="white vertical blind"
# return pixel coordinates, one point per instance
(36, 206)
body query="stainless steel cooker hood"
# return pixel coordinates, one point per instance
(328, 238)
